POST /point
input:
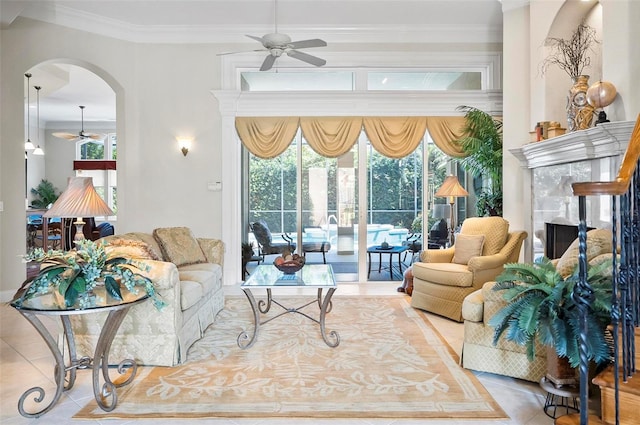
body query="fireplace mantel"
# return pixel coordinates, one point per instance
(604, 140)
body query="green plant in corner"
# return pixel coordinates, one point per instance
(74, 274)
(541, 305)
(44, 194)
(482, 143)
(247, 250)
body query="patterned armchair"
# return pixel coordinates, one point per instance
(444, 277)
(506, 357)
(266, 246)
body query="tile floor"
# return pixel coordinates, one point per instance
(25, 362)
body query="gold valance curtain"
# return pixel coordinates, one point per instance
(331, 136)
(267, 137)
(445, 131)
(395, 137)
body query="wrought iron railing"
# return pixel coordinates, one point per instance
(625, 308)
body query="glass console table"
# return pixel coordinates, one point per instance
(269, 277)
(65, 375)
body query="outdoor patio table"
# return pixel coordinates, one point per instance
(391, 250)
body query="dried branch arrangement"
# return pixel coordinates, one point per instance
(571, 55)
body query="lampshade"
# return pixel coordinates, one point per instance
(451, 187)
(79, 199)
(440, 211)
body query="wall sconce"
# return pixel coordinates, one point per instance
(185, 144)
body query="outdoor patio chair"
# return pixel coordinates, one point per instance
(414, 243)
(266, 246)
(317, 242)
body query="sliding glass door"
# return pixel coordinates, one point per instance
(315, 201)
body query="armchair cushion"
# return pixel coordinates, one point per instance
(467, 247)
(449, 274)
(179, 246)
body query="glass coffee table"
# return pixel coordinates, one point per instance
(268, 277)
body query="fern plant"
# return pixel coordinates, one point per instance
(541, 306)
(482, 144)
(44, 194)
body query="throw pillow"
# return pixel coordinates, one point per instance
(128, 248)
(467, 247)
(179, 246)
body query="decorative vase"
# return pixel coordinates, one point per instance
(579, 111)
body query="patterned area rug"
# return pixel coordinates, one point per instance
(391, 363)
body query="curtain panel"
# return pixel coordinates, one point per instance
(394, 137)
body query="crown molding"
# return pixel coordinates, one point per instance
(233, 33)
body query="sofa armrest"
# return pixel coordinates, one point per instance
(437, 255)
(163, 274)
(486, 262)
(493, 300)
(213, 250)
(473, 307)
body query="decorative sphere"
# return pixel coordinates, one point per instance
(601, 94)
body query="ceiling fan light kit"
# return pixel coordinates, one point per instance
(82, 135)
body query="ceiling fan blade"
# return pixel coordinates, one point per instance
(268, 63)
(63, 135)
(314, 42)
(313, 60)
(244, 51)
(94, 136)
(258, 39)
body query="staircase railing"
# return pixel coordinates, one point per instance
(625, 308)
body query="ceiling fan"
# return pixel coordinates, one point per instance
(82, 135)
(277, 44)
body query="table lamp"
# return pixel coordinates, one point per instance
(79, 200)
(451, 189)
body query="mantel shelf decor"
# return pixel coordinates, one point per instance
(604, 140)
(572, 56)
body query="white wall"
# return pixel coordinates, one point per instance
(162, 91)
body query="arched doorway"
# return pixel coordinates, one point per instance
(63, 131)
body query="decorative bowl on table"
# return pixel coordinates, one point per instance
(289, 264)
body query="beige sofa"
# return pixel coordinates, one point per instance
(187, 274)
(506, 357)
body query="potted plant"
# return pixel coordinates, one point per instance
(541, 306)
(482, 144)
(74, 274)
(44, 194)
